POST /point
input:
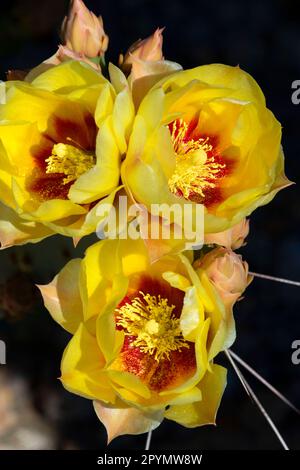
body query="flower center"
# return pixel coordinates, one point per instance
(197, 169)
(150, 320)
(70, 161)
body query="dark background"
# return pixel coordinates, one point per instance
(264, 39)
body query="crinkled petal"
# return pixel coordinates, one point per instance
(62, 297)
(120, 421)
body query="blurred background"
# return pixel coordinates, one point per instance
(264, 39)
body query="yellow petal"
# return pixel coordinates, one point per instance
(152, 108)
(202, 412)
(120, 421)
(109, 339)
(48, 211)
(177, 280)
(117, 78)
(87, 223)
(99, 213)
(190, 396)
(62, 297)
(122, 119)
(25, 103)
(221, 75)
(18, 139)
(129, 382)
(67, 76)
(45, 108)
(134, 257)
(192, 314)
(82, 368)
(87, 97)
(16, 231)
(103, 178)
(222, 329)
(201, 359)
(99, 269)
(105, 104)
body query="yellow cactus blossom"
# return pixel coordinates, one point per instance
(205, 136)
(61, 140)
(145, 336)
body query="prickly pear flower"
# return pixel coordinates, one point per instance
(61, 142)
(205, 136)
(145, 336)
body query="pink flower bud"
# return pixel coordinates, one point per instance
(232, 238)
(83, 32)
(144, 57)
(227, 271)
(149, 49)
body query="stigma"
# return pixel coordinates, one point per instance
(197, 169)
(70, 161)
(151, 321)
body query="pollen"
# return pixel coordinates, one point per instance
(150, 319)
(70, 161)
(197, 170)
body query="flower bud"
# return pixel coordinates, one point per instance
(143, 55)
(149, 49)
(232, 238)
(227, 271)
(83, 32)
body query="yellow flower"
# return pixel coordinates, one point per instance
(144, 336)
(205, 136)
(61, 140)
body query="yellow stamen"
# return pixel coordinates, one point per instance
(150, 319)
(69, 160)
(195, 171)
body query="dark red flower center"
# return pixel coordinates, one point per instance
(200, 166)
(154, 348)
(65, 152)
